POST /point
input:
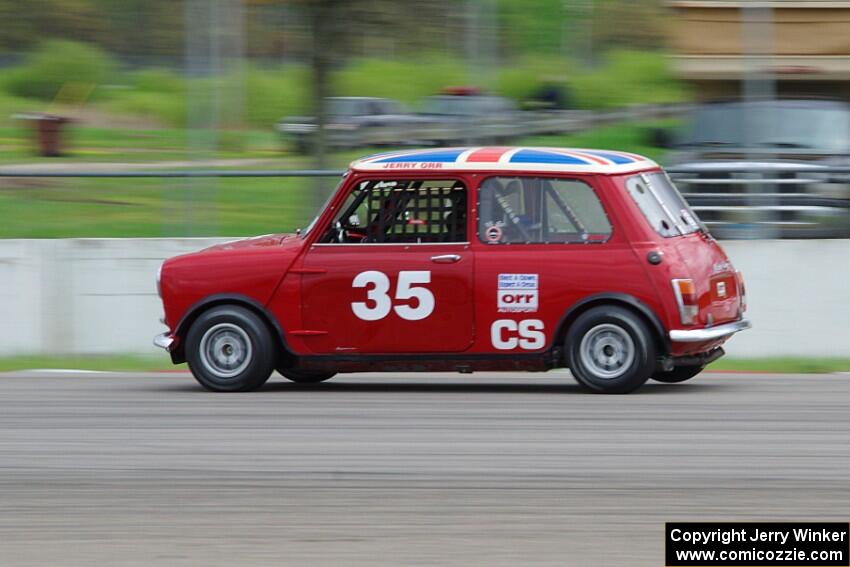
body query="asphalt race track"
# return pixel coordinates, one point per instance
(102, 469)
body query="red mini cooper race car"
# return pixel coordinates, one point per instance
(466, 259)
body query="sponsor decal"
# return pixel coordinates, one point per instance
(493, 234)
(517, 293)
(414, 165)
(721, 267)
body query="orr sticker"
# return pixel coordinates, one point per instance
(518, 293)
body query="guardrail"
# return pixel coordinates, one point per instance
(775, 201)
(768, 200)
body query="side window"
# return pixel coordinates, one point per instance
(401, 212)
(540, 210)
(662, 204)
(651, 207)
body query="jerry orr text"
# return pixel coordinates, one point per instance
(763, 544)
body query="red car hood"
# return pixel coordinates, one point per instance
(255, 242)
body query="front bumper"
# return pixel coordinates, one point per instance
(709, 333)
(165, 341)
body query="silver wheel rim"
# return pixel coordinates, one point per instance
(225, 350)
(607, 350)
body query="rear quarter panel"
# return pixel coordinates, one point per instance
(693, 256)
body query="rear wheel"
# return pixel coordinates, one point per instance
(305, 376)
(678, 374)
(610, 350)
(230, 349)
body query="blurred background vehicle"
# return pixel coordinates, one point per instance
(782, 146)
(805, 130)
(460, 114)
(356, 122)
(770, 161)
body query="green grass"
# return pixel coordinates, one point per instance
(408, 81)
(140, 145)
(126, 363)
(76, 208)
(11, 105)
(80, 74)
(625, 78)
(784, 365)
(55, 64)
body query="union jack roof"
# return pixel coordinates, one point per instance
(507, 158)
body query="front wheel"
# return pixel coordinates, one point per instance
(610, 350)
(305, 376)
(230, 349)
(678, 374)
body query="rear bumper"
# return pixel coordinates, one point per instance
(709, 333)
(164, 341)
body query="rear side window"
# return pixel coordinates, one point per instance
(662, 204)
(540, 210)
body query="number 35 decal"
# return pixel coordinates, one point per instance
(379, 304)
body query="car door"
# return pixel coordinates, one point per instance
(543, 244)
(393, 273)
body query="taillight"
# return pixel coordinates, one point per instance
(742, 291)
(686, 297)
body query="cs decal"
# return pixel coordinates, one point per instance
(507, 334)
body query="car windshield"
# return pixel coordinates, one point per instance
(324, 206)
(347, 107)
(455, 105)
(662, 204)
(805, 125)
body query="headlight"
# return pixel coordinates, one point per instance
(159, 280)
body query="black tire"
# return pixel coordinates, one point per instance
(678, 374)
(305, 376)
(230, 349)
(610, 350)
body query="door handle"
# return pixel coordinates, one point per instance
(446, 259)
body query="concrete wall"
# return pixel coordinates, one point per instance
(83, 295)
(98, 295)
(797, 292)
